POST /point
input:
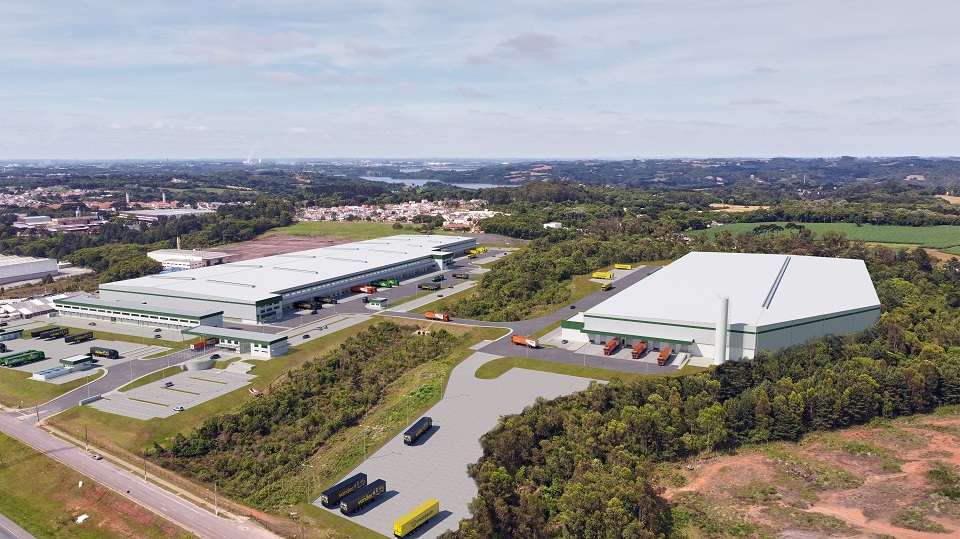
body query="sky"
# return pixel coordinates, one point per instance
(91, 79)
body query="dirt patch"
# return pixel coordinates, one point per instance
(736, 208)
(940, 255)
(864, 482)
(950, 199)
(275, 244)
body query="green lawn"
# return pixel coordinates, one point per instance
(355, 230)
(495, 368)
(17, 389)
(937, 237)
(43, 497)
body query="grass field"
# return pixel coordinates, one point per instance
(43, 497)
(350, 230)
(17, 389)
(495, 368)
(938, 237)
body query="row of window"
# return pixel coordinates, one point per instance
(110, 312)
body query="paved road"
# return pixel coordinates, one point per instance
(9, 530)
(22, 426)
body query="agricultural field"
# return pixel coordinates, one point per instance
(887, 479)
(942, 237)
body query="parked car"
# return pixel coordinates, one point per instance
(306, 336)
(168, 384)
(158, 336)
(156, 330)
(178, 409)
(96, 456)
(93, 323)
(313, 311)
(564, 342)
(439, 295)
(2, 324)
(215, 356)
(573, 306)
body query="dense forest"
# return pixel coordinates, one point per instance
(249, 450)
(579, 466)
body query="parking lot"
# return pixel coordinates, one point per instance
(187, 389)
(57, 349)
(436, 466)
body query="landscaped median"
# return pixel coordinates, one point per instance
(496, 367)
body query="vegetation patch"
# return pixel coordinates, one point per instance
(811, 521)
(18, 390)
(494, 368)
(938, 236)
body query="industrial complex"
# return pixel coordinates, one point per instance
(259, 290)
(731, 305)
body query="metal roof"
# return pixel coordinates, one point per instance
(135, 307)
(764, 290)
(236, 334)
(264, 278)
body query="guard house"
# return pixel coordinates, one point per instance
(257, 344)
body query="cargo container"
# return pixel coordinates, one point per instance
(21, 358)
(332, 496)
(622, 266)
(437, 278)
(638, 350)
(100, 351)
(437, 316)
(324, 299)
(429, 286)
(362, 496)
(611, 347)
(409, 523)
(416, 430)
(57, 333)
(43, 333)
(79, 337)
(664, 356)
(525, 341)
(605, 286)
(200, 345)
(603, 275)
(460, 276)
(364, 289)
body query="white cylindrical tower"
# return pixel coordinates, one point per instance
(720, 340)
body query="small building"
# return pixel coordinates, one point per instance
(553, 224)
(151, 216)
(255, 343)
(141, 314)
(23, 268)
(73, 361)
(378, 303)
(187, 259)
(10, 334)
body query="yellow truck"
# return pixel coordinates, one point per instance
(623, 266)
(603, 275)
(416, 518)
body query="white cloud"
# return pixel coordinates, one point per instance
(471, 93)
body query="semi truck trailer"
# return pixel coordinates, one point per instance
(443, 317)
(611, 347)
(525, 341)
(100, 351)
(364, 289)
(57, 333)
(623, 266)
(664, 356)
(324, 299)
(362, 496)
(79, 337)
(409, 523)
(416, 430)
(603, 275)
(429, 286)
(200, 345)
(21, 358)
(638, 350)
(332, 496)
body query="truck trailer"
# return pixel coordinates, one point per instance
(200, 345)
(443, 317)
(623, 266)
(460, 276)
(364, 289)
(100, 351)
(437, 278)
(362, 496)
(664, 356)
(44, 333)
(409, 523)
(611, 347)
(332, 496)
(57, 333)
(416, 430)
(324, 299)
(429, 286)
(79, 337)
(525, 341)
(603, 275)
(638, 350)
(21, 358)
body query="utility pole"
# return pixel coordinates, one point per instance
(144, 453)
(407, 408)
(86, 439)
(36, 408)
(216, 501)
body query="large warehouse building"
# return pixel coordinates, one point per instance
(260, 289)
(730, 305)
(23, 268)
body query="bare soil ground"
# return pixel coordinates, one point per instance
(870, 482)
(950, 199)
(275, 244)
(736, 207)
(940, 255)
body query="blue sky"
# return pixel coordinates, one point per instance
(436, 78)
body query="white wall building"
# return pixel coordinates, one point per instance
(23, 268)
(775, 301)
(187, 259)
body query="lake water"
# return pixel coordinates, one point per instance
(416, 182)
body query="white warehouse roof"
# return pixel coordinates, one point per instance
(765, 290)
(261, 279)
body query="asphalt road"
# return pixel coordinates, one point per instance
(22, 426)
(9, 530)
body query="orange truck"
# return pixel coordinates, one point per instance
(664, 356)
(611, 347)
(525, 341)
(437, 316)
(364, 289)
(638, 350)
